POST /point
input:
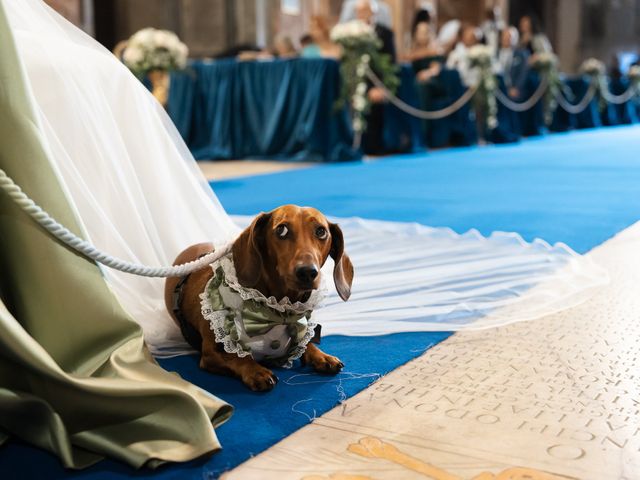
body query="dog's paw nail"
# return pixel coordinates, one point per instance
(341, 365)
(261, 381)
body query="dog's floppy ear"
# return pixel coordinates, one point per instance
(247, 251)
(343, 269)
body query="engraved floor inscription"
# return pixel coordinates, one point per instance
(558, 396)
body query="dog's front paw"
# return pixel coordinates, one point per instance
(260, 380)
(328, 364)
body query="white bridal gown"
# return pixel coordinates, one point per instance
(140, 196)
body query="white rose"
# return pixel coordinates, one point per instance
(144, 36)
(359, 103)
(132, 55)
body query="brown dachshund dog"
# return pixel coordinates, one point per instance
(280, 254)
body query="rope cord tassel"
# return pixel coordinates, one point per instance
(88, 250)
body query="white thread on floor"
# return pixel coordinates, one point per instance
(293, 409)
(342, 396)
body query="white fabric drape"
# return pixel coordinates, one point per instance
(140, 196)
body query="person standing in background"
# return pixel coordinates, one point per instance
(459, 58)
(531, 36)
(320, 35)
(283, 47)
(426, 56)
(491, 28)
(381, 11)
(513, 62)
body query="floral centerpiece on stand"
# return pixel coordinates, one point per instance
(546, 64)
(634, 75)
(480, 57)
(360, 57)
(596, 71)
(154, 53)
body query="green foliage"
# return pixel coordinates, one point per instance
(359, 55)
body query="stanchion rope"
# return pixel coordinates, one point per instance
(423, 114)
(527, 104)
(581, 105)
(88, 250)
(617, 99)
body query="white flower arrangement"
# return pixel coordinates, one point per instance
(152, 49)
(634, 80)
(354, 30)
(546, 64)
(360, 55)
(544, 61)
(596, 69)
(592, 67)
(480, 57)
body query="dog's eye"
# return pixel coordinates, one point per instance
(282, 231)
(321, 233)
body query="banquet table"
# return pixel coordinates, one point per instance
(286, 109)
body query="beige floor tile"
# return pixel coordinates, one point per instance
(549, 399)
(223, 169)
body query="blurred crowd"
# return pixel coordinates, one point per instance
(431, 48)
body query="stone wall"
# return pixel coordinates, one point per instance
(577, 28)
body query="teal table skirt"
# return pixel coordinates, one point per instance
(285, 109)
(227, 109)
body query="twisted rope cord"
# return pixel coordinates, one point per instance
(617, 99)
(526, 105)
(423, 114)
(581, 105)
(85, 248)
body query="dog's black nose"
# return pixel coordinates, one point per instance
(306, 273)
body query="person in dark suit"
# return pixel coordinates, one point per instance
(513, 62)
(373, 138)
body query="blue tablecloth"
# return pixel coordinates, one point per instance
(285, 109)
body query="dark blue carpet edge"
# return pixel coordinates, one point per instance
(578, 188)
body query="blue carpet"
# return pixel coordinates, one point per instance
(579, 188)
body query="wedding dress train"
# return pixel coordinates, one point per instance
(140, 196)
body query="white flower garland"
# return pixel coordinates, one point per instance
(481, 57)
(355, 30)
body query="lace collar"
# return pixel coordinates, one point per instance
(284, 305)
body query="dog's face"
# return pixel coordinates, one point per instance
(281, 253)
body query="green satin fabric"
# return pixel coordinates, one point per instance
(75, 376)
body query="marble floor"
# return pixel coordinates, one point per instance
(557, 398)
(224, 169)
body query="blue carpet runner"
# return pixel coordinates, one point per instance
(579, 188)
